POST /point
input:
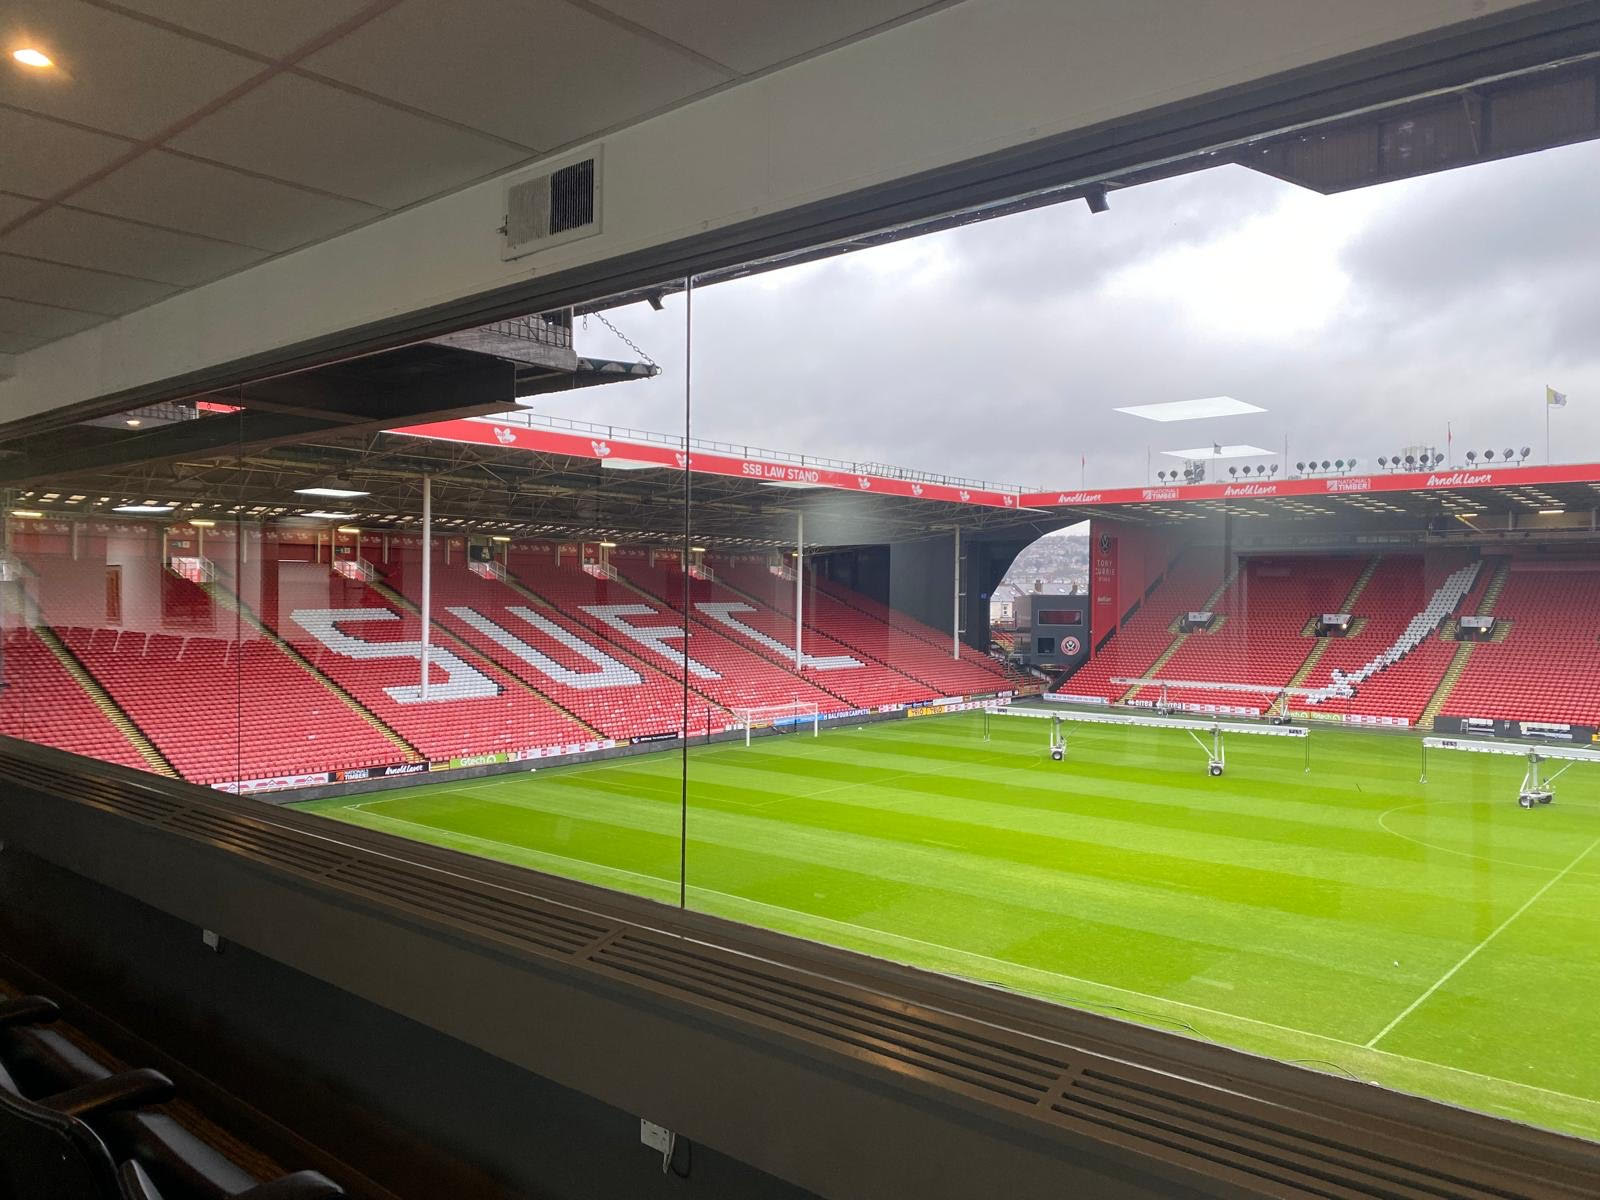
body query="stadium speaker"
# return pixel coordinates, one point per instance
(1095, 198)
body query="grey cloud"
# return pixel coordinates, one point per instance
(1469, 291)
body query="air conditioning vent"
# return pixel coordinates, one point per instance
(552, 208)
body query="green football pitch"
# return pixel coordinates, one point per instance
(1430, 937)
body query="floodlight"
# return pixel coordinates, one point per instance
(1488, 456)
(1274, 468)
(1411, 460)
(1438, 457)
(1351, 463)
(1506, 455)
(1234, 471)
(1325, 464)
(1472, 456)
(1382, 461)
(1299, 466)
(1338, 464)
(1526, 451)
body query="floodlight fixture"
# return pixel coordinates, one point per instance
(1488, 456)
(1526, 450)
(1472, 456)
(1507, 455)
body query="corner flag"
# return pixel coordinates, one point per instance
(1554, 398)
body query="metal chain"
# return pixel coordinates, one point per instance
(631, 344)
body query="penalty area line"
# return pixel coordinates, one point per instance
(1473, 953)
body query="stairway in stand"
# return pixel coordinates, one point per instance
(226, 597)
(1458, 663)
(1178, 639)
(1322, 643)
(156, 761)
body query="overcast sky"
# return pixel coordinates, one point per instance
(1361, 322)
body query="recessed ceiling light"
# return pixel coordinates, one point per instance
(143, 508)
(628, 464)
(29, 57)
(1192, 410)
(336, 490)
(135, 422)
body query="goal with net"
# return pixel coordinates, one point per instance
(794, 717)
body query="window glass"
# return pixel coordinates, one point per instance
(1184, 611)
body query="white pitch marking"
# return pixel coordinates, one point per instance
(1473, 953)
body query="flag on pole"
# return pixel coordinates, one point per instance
(1553, 398)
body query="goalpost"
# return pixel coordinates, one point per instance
(780, 718)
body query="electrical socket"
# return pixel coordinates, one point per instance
(657, 1137)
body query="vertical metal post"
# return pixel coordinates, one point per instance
(427, 575)
(955, 603)
(799, 588)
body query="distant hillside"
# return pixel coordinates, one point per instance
(1059, 561)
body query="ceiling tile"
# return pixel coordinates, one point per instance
(12, 207)
(362, 149)
(749, 35)
(12, 342)
(41, 157)
(270, 27)
(539, 72)
(75, 287)
(38, 320)
(196, 197)
(89, 240)
(107, 65)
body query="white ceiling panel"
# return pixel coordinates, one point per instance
(40, 157)
(89, 240)
(538, 72)
(269, 27)
(107, 65)
(196, 197)
(75, 287)
(40, 320)
(312, 134)
(749, 35)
